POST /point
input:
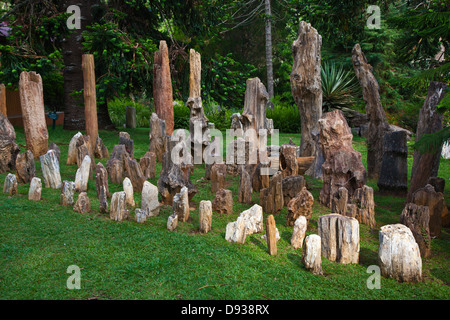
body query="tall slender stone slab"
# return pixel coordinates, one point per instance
(25, 167)
(181, 205)
(90, 99)
(83, 174)
(430, 120)
(100, 150)
(50, 170)
(118, 210)
(271, 235)
(195, 74)
(299, 232)
(128, 188)
(205, 216)
(306, 84)
(340, 238)
(3, 109)
(340, 201)
(271, 198)
(35, 191)
(8, 147)
(101, 179)
(103, 200)
(33, 113)
(162, 87)
(312, 258)
(148, 164)
(288, 160)
(67, 192)
(10, 185)
(72, 152)
(245, 187)
(378, 125)
(399, 254)
(394, 166)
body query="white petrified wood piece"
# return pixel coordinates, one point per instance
(82, 175)
(340, 238)
(312, 254)
(140, 216)
(299, 232)
(118, 211)
(205, 216)
(128, 188)
(399, 254)
(10, 185)
(236, 231)
(172, 222)
(72, 153)
(181, 205)
(50, 170)
(34, 193)
(253, 219)
(149, 199)
(67, 192)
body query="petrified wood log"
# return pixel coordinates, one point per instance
(25, 167)
(157, 136)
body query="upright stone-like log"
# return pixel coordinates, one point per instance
(271, 198)
(116, 164)
(218, 175)
(162, 87)
(299, 232)
(378, 124)
(53, 146)
(245, 187)
(125, 139)
(343, 166)
(128, 189)
(427, 196)
(205, 216)
(101, 179)
(291, 187)
(84, 149)
(399, 254)
(25, 167)
(35, 191)
(8, 147)
(100, 150)
(340, 201)
(135, 174)
(299, 206)
(72, 153)
(223, 202)
(288, 160)
(67, 192)
(255, 104)
(50, 170)
(430, 120)
(10, 185)
(157, 136)
(83, 174)
(149, 199)
(172, 222)
(33, 113)
(103, 200)
(340, 238)
(181, 205)
(195, 63)
(271, 235)
(118, 211)
(306, 85)
(362, 206)
(83, 204)
(198, 128)
(312, 258)
(417, 219)
(394, 166)
(140, 216)
(148, 164)
(172, 177)
(131, 117)
(90, 99)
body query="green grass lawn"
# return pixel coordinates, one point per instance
(127, 260)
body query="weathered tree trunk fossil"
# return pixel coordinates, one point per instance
(50, 170)
(35, 191)
(162, 87)
(271, 235)
(157, 136)
(306, 84)
(378, 124)
(271, 198)
(8, 147)
(417, 219)
(90, 99)
(33, 113)
(25, 167)
(205, 216)
(312, 258)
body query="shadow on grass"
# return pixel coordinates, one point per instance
(368, 257)
(296, 260)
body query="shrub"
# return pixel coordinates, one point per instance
(285, 116)
(117, 109)
(181, 115)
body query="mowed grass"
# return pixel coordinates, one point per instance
(127, 260)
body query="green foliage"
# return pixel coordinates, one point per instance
(221, 117)
(117, 109)
(225, 80)
(339, 87)
(286, 117)
(181, 115)
(431, 143)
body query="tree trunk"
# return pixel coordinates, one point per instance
(268, 31)
(90, 99)
(306, 84)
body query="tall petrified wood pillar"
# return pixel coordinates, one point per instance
(33, 113)
(378, 124)
(3, 100)
(255, 105)
(306, 85)
(430, 120)
(162, 87)
(90, 99)
(8, 147)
